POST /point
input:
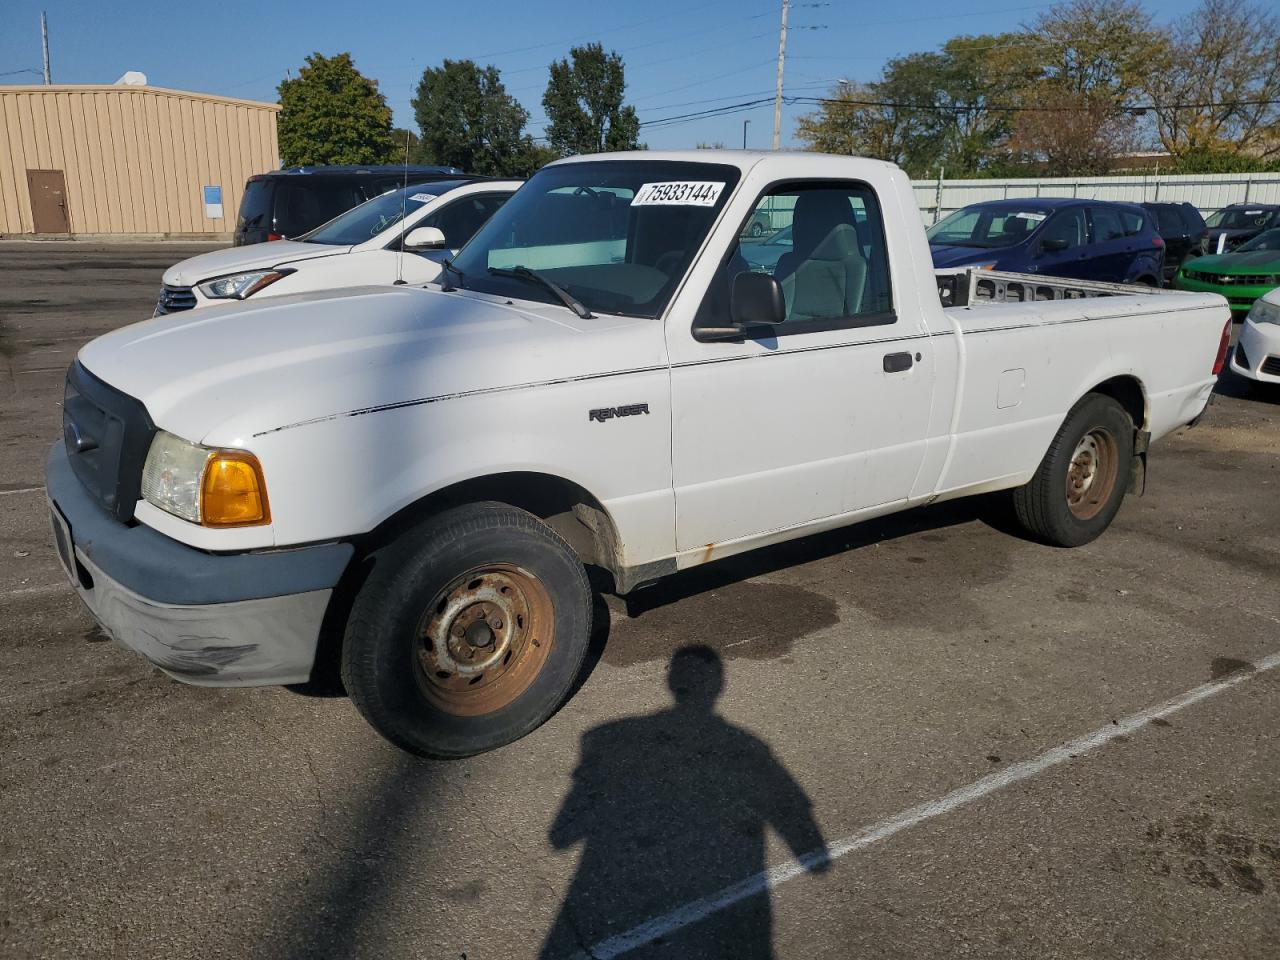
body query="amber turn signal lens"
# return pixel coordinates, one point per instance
(233, 493)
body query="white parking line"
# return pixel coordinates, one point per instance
(6, 493)
(692, 913)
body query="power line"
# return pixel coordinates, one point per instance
(791, 100)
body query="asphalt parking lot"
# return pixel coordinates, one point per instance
(976, 746)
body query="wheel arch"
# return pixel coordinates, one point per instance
(567, 507)
(1128, 391)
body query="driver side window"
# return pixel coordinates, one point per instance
(825, 245)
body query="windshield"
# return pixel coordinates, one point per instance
(1267, 240)
(1240, 219)
(372, 217)
(618, 235)
(999, 225)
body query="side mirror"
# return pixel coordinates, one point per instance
(1053, 244)
(425, 238)
(756, 299)
(756, 304)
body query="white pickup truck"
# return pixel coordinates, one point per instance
(410, 482)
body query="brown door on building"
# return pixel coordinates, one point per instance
(48, 201)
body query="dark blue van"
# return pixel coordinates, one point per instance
(1080, 239)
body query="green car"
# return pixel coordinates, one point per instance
(1242, 276)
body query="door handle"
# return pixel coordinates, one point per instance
(897, 362)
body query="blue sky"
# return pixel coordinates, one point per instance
(681, 55)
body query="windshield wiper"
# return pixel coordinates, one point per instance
(446, 286)
(532, 276)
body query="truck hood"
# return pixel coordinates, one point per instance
(254, 256)
(227, 373)
(948, 256)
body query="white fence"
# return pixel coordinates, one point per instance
(1208, 192)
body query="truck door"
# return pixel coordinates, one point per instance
(824, 415)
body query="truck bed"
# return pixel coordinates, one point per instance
(970, 285)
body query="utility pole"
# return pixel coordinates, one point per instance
(744, 133)
(777, 97)
(44, 40)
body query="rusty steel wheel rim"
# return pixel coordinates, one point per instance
(484, 639)
(1091, 477)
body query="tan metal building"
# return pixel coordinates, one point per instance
(121, 160)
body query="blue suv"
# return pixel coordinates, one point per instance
(1079, 239)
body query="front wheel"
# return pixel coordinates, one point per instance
(1077, 489)
(468, 633)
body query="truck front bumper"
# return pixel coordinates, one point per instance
(210, 619)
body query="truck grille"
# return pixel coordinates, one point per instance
(1232, 279)
(173, 299)
(107, 434)
(1271, 366)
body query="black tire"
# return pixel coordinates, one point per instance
(757, 229)
(452, 570)
(1061, 505)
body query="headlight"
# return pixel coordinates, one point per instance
(240, 285)
(1264, 312)
(212, 487)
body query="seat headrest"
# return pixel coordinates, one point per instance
(841, 244)
(817, 212)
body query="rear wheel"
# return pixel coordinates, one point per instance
(1077, 489)
(468, 633)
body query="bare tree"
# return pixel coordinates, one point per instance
(1065, 132)
(1226, 54)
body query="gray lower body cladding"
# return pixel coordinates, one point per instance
(210, 619)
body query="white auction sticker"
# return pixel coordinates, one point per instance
(423, 197)
(1035, 217)
(692, 193)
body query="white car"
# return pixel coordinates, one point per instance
(1257, 353)
(412, 481)
(356, 248)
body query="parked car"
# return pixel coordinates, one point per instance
(1251, 271)
(287, 203)
(1239, 223)
(422, 475)
(1084, 239)
(1257, 353)
(1184, 233)
(367, 244)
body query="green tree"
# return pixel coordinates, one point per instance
(584, 104)
(331, 113)
(927, 110)
(468, 120)
(402, 139)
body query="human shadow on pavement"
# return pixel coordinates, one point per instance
(669, 808)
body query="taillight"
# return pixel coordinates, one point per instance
(1157, 241)
(275, 236)
(1223, 347)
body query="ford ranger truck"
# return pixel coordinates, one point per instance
(407, 485)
